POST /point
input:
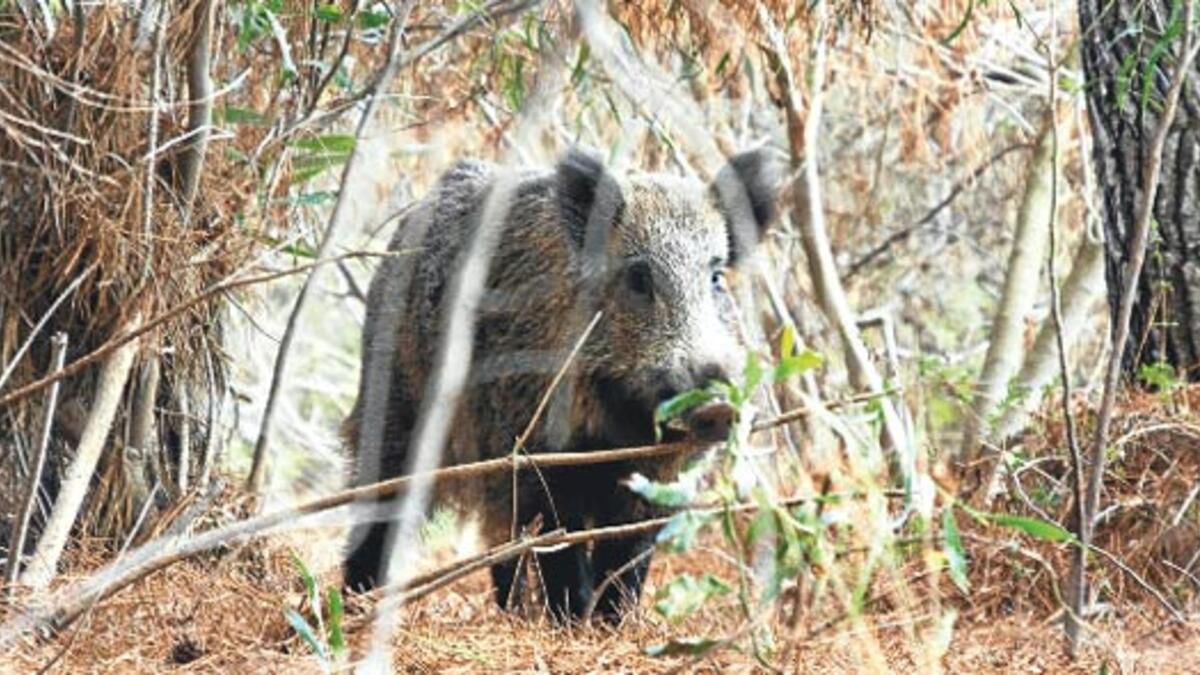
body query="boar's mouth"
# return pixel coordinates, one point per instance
(628, 414)
(629, 417)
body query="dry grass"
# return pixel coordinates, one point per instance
(223, 612)
(224, 615)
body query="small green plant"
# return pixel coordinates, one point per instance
(1159, 375)
(325, 638)
(728, 478)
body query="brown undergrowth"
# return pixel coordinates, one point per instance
(223, 612)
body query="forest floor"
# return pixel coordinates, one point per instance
(225, 612)
(226, 616)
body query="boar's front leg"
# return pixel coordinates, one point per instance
(627, 561)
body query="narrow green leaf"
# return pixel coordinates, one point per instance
(1161, 47)
(956, 555)
(234, 115)
(326, 143)
(677, 494)
(579, 71)
(678, 405)
(304, 630)
(1034, 527)
(787, 341)
(685, 594)
(310, 582)
(682, 531)
(753, 372)
(337, 610)
(307, 167)
(797, 364)
(722, 64)
(966, 21)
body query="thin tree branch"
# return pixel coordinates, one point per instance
(337, 218)
(809, 218)
(906, 232)
(16, 358)
(79, 475)
(16, 547)
(201, 102)
(160, 22)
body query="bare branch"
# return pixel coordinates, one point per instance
(16, 548)
(201, 102)
(79, 475)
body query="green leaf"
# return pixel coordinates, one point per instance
(373, 18)
(753, 372)
(956, 555)
(677, 494)
(722, 64)
(685, 594)
(314, 198)
(579, 70)
(1161, 47)
(307, 167)
(797, 364)
(678, 405)
(327, 144)
(1124, 79)
(1160, 375)
(304, 630)
(234, 115)
(330, 13)
(787, 341)
(310, 582)
(337, 639)
(688, 646)
(682, 531)
(1034, 527)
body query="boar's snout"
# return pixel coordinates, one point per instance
(710, 422)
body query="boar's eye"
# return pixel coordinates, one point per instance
(718, 279)
(639, 280)
(718, 275)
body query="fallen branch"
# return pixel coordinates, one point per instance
(16, 547)
(447, 574)
(444, 576)
(79, 474)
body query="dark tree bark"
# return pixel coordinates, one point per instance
(1127, 82)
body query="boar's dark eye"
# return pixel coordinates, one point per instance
(718, 279)
(639, 280)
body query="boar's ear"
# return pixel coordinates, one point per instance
(589, 199)
(745, 190)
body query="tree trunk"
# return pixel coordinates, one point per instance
(1127, 84)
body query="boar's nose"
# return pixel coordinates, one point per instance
(710, 422)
